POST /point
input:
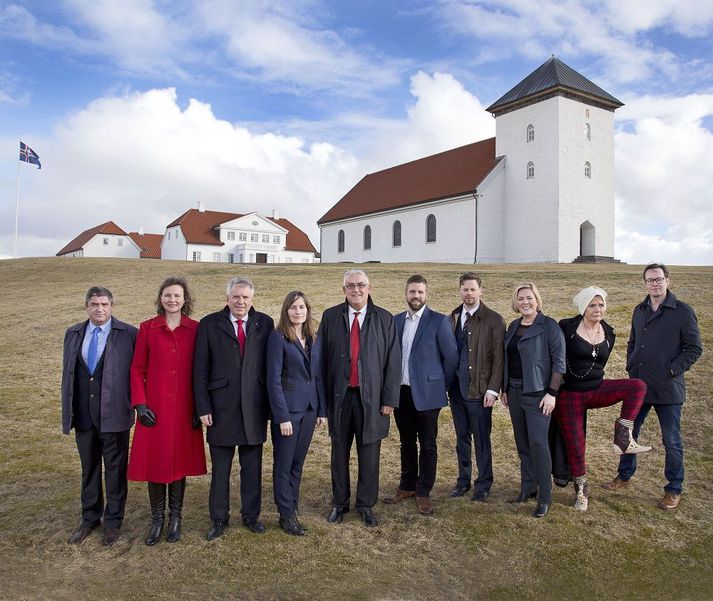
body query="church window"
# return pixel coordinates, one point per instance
(587, 169)
(530, 170)
(396, 237)
(530, 132)
(588, 131)
(367, 237)
(431, 228)
(340, 241)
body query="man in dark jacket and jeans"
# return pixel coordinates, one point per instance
(663, 344)
(361, 363)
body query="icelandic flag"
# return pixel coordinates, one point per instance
(28, 155)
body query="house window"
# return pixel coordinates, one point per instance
(120, 242)
(242, 236)
(196, 255)
(216, 257)
(240, 257)
(276, 239)
(530, 170)
(588, 131)
(105, 242)
(431, 228)
(230, 235)
(231, 258)
(586, 113)
(305, 260)
(396, 233)
(340, 241)
(587, 169)
(288, 259)
(176, 233)
(253, 237)
(251, 257)
(266, 238)
(530, 132)
(169, 234)
(367, 237)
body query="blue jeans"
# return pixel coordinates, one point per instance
(670, 422)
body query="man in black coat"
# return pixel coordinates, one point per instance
(361, 363)
(664, 342)
(229, 380)
(96, 402)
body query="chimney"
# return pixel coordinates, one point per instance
(201, 206)
(275, 214)
(141, 231)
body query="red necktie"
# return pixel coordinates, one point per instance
(241, 337)
(354, 351)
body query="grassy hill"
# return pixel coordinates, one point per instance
(624, 547)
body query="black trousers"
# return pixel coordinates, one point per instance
(289, 453)
(250, 457)
(350, 427)
(418, 472)
(113, 448)
(472, 421)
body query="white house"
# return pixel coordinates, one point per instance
(220, 237)
(542, 190)
(105, 240)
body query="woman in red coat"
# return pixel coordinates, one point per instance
(168, 440)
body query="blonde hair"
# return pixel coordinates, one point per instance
(535, 292)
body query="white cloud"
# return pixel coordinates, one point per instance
(140, 160)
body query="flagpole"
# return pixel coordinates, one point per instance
(17, 208)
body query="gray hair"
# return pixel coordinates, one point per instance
(98, 291)
(349, 272)
(238, 281)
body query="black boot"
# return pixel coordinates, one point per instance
(157, 498)
(175, 505)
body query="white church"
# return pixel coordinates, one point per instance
(542, 190)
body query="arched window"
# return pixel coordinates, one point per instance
(587, 169)
(530, 132)
(530, 170)
(588, 131)
(340, 241)
(367, 237)
(396, 233)
(431, 228)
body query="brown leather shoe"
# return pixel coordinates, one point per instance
(81, 533)
(617, 484)
(425, 505)
(670, 501)
(401, 495)
(111, 535)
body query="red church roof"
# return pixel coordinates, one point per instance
(200, 227)
(443, 175)
(78, 243)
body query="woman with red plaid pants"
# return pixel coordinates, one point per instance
(589, 341)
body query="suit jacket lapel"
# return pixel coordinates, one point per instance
(422, 325)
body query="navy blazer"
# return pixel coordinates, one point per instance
(542, 352)
(433, 360)
(294, 382)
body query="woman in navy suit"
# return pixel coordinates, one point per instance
(534, 366)
(296, 401)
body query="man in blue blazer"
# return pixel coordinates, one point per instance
(429, 359)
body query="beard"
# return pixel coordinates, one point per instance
(415, 304)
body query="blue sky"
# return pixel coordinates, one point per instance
(139, 109)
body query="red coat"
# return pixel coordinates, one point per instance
(162, 379)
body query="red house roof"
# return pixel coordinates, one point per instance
(78, 243)
(150, 244)
(200, 227)
(443, 175)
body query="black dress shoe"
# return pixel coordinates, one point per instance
(81, 533)
(254, 525)
(337, 514)
(540, 510)
(368, 517)
(111, 535)
(480, 495)
(291, 526)
(524, 497)
(459, 491)
(217, 530)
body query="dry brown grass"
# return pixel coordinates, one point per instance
(623, 547)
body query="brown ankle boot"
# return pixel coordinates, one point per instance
(623, 439)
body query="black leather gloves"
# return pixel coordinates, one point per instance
(146, 416)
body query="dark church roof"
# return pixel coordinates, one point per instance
(551, 78)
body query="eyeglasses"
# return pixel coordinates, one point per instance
(352, 287)
(650, 281)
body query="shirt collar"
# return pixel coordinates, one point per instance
(418, 313)
(104, 327)
(352, 310)
(234, 319)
